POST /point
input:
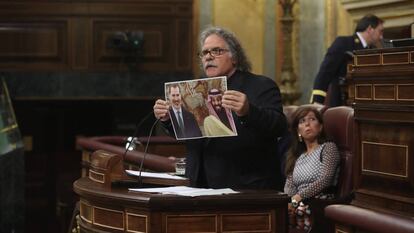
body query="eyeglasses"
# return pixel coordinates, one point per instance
(214, 52)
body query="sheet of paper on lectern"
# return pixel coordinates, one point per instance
(185, 191)
(155, 175)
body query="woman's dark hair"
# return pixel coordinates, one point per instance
(298, 147)
(366, 21)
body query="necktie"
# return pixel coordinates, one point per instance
(180, 121)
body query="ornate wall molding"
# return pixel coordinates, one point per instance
(66, 36)
(396, 13)
(350, 5)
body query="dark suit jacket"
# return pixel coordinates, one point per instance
(251, 159)
(334, 66)
(191, 128)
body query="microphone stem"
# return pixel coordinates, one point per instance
(137, 127)
(145, 152)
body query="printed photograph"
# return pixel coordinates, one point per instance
(196, 111)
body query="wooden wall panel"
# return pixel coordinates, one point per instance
(34, 44)
(405, 92)
(192, 223)
(80, 42)
(183, 46)
(385, 161)
(72, 35)
(384, 151)
(58, 48)
(158, 47)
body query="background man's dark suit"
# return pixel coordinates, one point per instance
(191, 128)
(334, 66)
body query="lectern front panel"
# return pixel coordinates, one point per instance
(105, 209)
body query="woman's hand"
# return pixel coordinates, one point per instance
(297, 197)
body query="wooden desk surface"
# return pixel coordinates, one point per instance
(105, 209)
(85, 187)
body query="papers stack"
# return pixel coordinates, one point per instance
(185, 191)
(155, 175)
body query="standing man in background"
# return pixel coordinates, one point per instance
(368, 32)
(250, 159)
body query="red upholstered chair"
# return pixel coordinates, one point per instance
(370, 220)
(339, 127)
(289, 110)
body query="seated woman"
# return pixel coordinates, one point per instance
(311, 166)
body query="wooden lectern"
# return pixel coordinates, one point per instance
(381, 91)
(105, 208)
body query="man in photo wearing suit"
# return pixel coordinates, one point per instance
(184, 122)
(368, 33)
(220, 121)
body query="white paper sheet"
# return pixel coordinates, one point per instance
(155, 175)
(185, 191)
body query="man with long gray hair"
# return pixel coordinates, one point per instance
(250, 159)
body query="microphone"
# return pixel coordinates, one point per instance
(145, 152)
(131, 144)
(133, 141)
(349, 54)
(386, 43)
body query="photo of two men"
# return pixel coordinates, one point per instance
(196, 110)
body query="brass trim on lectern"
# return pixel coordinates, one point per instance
(383, 85)
(398, 92)
(357, 92)
(95, 208)
(250, 215)
(340, 231)
(358, 60)
(93, 173)
(389, 145)
(384, 56)
(190, 217)
(87, 216)
(136, 215)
